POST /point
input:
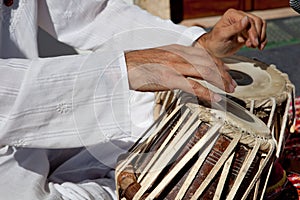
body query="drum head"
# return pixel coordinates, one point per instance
(231, 113)
(241, 117)
(256, 80)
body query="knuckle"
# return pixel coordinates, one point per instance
(231, 10)
(195, 86)
(203, 94)
(199, 90)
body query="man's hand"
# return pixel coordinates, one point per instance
(170, 67)
(234, 30)
(173, 66)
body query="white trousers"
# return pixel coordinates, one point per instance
(83, 173)
(32, 174)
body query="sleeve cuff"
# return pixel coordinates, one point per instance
(123, 66)
(190, 35)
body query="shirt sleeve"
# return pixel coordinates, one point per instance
(60, 102)
(110, 24)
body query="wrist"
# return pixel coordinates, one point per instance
(202, 42)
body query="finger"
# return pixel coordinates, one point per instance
(199, 56)
(260, 26)
(245, 31)
(258, 23)
(224, 69)
(237, 28)
(214, 73)
(226, 76)
(222, 78)
(220, 63)
(253, 34)
(263, 44)
(263, 37)
(198, 63)
(195, 88)
(232, 81)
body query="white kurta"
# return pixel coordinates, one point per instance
(52, 107)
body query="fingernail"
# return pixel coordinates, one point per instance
(233, 82)
(245, 20)
(262, 46)
(217, 98)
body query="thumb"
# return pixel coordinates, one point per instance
(237, 27)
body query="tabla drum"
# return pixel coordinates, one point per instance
(163, 101)
(198, 152)
(266, 92)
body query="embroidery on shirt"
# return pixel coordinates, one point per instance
(68, 15)
(62, 108)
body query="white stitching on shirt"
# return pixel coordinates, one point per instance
(63, 108)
